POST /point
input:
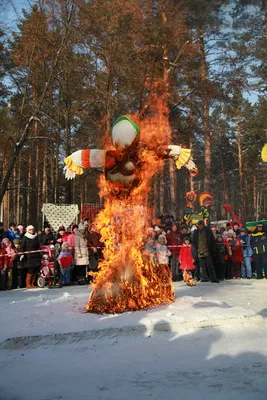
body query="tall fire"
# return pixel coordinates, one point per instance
(129, 277)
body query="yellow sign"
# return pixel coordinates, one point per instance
(264, 153)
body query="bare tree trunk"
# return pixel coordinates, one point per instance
(18, 214)
(240, 166)
(255, 192)
(225, 184)
(206, 121)
(29, 185)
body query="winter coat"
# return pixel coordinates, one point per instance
(46, 238)
(174, 239)
(185, 258)
(220, 252)
(11, 256)
(210, 240)
(81, 251)
(3, 258)
(31, 243)
(3, 235)
(237, 254)
(163, 253)
(259, 242)
(11, 235)
(70, 239)
(62, 237)
(93, 240)
(246, 245)
(67, 255)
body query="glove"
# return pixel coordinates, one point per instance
(21, 258)
(68, 173)
(174, 151)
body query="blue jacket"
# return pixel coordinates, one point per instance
(246, 247)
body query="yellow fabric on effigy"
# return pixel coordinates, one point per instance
(73, 167)
(183, 158)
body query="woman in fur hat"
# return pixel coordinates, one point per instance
(30, 242)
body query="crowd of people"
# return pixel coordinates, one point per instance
(207, 253)
(198, 253)
(22, 250)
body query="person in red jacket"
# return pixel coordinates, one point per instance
(3, 267)
(187, 262)
(237, 257)
(174, 242)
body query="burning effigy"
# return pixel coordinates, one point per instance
(128, 278)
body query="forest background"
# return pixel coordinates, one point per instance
(69, 68)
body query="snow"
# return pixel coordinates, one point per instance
(51, 349)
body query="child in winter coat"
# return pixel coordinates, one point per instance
(236, 253)
(3, 266)
(162, 255)
(66, 263)
(11, 257)
(162, 251)
(18, 270)
(221, 251)
(246, 270)
(151, 248)
(187, 262)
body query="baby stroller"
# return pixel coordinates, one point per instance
(46, 276)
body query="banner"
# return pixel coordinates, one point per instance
(60, 214)
(89, 210)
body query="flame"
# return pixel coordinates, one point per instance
(188, 279)
(128, 278)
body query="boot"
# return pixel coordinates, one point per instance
(33, 281)
(29, 281)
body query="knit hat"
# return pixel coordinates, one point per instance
(81, 226)
(162, 237)
(20, 227)
(218, 236)
(6, 241)
(65, 244)
(231, 232)
(157, 229)
(242, 230)
(29, 227)
(16, 241)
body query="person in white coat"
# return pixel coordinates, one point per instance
(81, 255)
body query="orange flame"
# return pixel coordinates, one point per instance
(128, 278)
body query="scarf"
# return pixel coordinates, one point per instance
(30, 236)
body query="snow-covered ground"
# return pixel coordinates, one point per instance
(50, 349)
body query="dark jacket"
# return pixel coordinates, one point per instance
(210, 241)
(31, 260)
(259, 241)
(46, 238)
(3, 235)
(220, 252)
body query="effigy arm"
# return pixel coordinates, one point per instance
(182, 157)
(81, 159)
